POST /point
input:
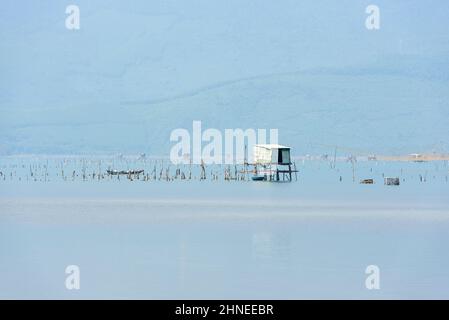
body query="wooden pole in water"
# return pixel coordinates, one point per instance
(335, 157)
(203, 171)
(296, 171)
(352, 167)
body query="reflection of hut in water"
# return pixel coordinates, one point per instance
(267, 245)
(272, 162)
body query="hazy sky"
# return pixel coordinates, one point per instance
(130, 54)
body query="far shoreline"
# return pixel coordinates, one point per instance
(414, 157)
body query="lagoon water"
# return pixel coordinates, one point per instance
(312, 238)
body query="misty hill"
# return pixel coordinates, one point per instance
(134, 72)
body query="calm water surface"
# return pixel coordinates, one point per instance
(308, 239)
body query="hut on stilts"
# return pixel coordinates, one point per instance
(272, 162)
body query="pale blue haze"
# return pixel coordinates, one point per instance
(138, 69)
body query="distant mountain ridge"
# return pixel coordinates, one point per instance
(134, 72)
(379, 114)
